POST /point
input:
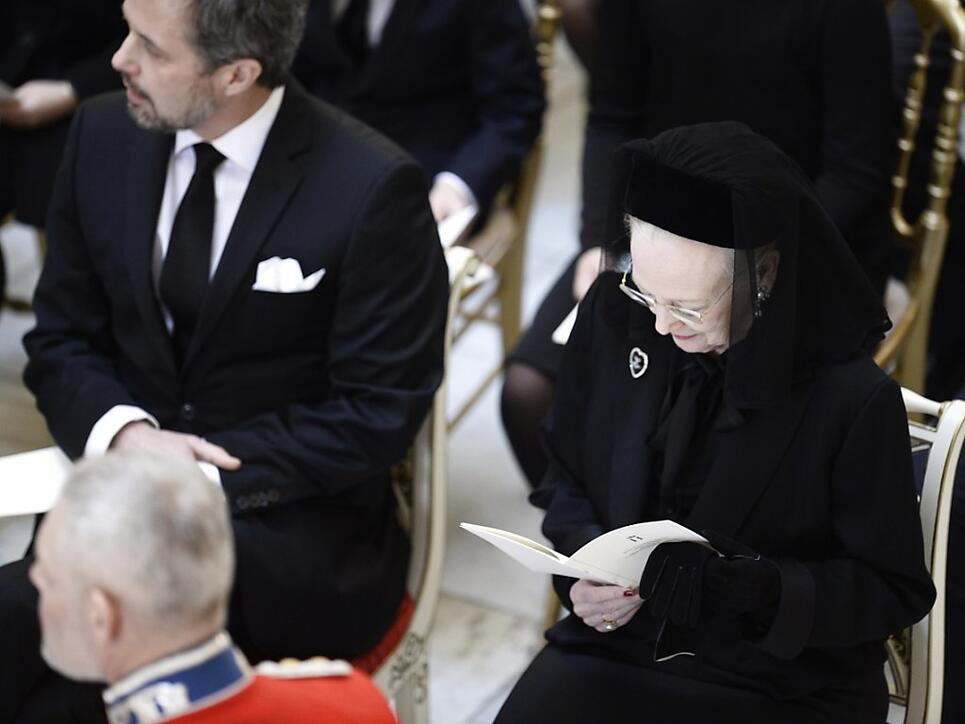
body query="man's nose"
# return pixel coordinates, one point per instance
(121, 60)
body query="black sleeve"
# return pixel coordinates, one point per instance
(506, 85)
(875, 583)
(385, 359)
(71, 350)
(570, 520)
(617, 96)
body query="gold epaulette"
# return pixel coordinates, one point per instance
(313, 668)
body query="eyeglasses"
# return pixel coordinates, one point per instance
(688, 316)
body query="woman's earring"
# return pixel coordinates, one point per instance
(763, 294)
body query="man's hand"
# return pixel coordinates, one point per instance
(38, 103)
(586, 272)
(445, 200)
(603, 607)
(143, 437)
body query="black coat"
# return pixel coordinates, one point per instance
(318, 393)
(454, 82)
(70, 40)
(822, 484)
(811, 75)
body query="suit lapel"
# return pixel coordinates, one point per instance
(636, 405)
(147, 171)
(272, 184)
(746, 460)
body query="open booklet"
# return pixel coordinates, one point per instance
(617, 557)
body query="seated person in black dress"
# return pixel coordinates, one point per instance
(53, 54)
(454, 82)
(723, 380)
(811, 75)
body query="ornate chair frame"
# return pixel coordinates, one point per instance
(903, 353)
(915, 668)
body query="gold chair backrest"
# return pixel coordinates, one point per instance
(925, 237)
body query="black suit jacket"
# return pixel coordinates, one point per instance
(318, 393)
(811, 75)
(822, 484)
(454, 82)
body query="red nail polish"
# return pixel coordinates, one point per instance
(629, 592)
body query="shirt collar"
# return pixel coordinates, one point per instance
(243, 143)
(178, 683)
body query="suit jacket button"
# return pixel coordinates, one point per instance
(188, 412)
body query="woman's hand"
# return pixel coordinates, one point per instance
(603, 607)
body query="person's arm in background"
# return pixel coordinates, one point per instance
(616, 115)
(506, 85)
(79, 68)
(858, 129)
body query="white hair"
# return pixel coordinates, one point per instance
(155, 532)
(645, 230)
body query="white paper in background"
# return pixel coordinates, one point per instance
(561, 335)
(30, 482)
(6, 92)
(452, 228)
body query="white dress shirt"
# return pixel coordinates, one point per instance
(241, 147)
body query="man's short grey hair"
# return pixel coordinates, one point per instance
(153, 531)
(269, 31)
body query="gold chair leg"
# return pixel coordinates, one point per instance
(510, 295)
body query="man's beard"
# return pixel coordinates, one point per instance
(145, 114)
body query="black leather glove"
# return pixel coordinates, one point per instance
(741, 581)
(672, 582)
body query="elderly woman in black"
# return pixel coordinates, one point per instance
(720, 376)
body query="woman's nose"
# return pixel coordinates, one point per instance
(664, 320)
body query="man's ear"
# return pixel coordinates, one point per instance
(103, 616)
(238, 76)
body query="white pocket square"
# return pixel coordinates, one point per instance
(284, 276)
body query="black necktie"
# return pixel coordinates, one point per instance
(184, 275)
(352, 30)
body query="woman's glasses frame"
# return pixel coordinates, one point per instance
(688, 316)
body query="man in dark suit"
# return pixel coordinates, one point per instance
(245, 277)
(454, 82)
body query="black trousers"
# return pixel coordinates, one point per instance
(30, 692)
(563, 686)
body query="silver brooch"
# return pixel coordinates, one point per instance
(638, 363)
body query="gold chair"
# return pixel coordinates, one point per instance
(20, 305)
(915, 668)
(495, 297)
(903, 352)
(420, 484)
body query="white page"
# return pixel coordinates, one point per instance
(30, 482)
(561, 335)
(622, 554)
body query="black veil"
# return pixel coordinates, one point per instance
(722, 184)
